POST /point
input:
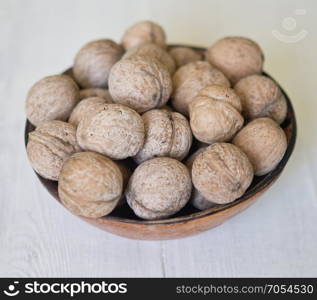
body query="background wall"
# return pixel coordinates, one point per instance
(275, 237)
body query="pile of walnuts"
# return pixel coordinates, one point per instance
(145, 102)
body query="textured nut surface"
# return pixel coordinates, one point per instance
(86, 107)
(141, 83)
(264, 142)
(222, 93)
(222, 173)
(145, 31)
(200, 202)
(90, 184)
(51, 98)
(190, 79)
(93, 63)
(197, 199)
(49, 146)
(95, 92)
(159, 188)
(166, 134)
(236, 57)
(152, 50)
(213, 121)
(116, 131)
(184, 55)
(261, 97)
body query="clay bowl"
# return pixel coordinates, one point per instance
(188, 221)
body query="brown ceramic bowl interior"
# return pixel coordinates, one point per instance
(189, 220)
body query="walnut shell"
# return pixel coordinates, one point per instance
(116, 131)
(159, 188)
(152, 50)
(213, 121)
(264, 142)
(197, 199)
(236, 57)
(90, 184)
(95, 92)
(145, 31)
(87, 107)
(93, 63)
(183, 55)
(166, 134)
(51, 98)
(49, 146)
(222, 93)
(261, 97)
(190, 79)
(222, 173)
(141, 83)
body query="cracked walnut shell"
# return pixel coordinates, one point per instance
(159, 188)
(90, 184)
(49, 145)
(222, 173)
(166, 134)
(115, 130)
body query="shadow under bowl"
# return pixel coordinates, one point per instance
(188, 221)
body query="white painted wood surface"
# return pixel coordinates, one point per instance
(275, 237)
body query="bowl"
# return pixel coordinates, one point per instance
(188, 221)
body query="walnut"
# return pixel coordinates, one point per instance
(190, 79)
(261, 97)
(264, 142)
(152, 50)
(90, 184)
(200, 202)
(141, 83)
(93, 63)
(222, 173)
(213, 120)
(49, 146)
(166, 134)
(95, 92)
(184, 55)
(222, 93)
(197, 199)
(51, 98)
(159, 188)
(86, 107)
(145, 31)
(236, 57)
(116, 131)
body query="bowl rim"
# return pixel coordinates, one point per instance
(258, 187)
